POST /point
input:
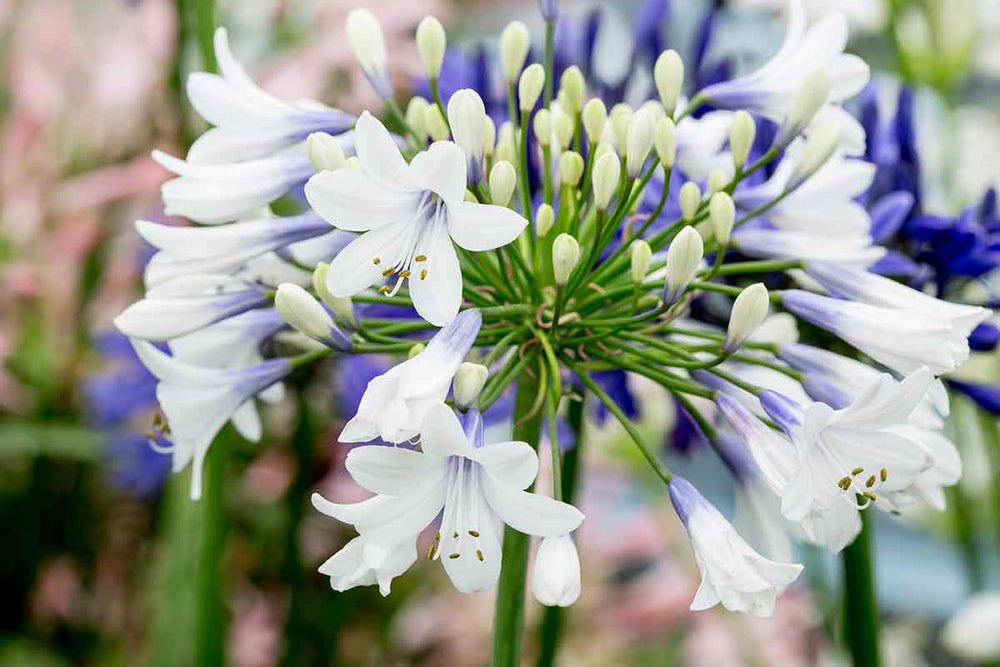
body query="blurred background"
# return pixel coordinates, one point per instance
(101, 548)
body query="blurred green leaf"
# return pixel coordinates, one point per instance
(30, 439)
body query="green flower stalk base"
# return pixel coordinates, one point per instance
(861, 623)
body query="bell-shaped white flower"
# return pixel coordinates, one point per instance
(731, 572)
(250, 123)
(555, 578)
(216, 193)
(364, 33)
(467, 116)
(770, 90)
(188, 303)
(474, 485)
(360, 564)
(198, 401)
(394, 404)
(410, 214)
(221, 249)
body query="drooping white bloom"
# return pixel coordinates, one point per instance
(555, 579)
(475, 485)
(360, 564)
(394, 404)
(770, 90)
(820, 219)
(250, 123)
(364, 33)
(467, 116)
(221, 249)
(837, 381)
(301, 310)
(970, 633)
(198, 401)
(731, 572)
(188, 303)
(216, 193)
(410, 214)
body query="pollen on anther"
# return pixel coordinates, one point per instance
(479, 555)
(844, 483)
(405, 273)
(871, 482)
(474, 533)
(454, 556)
(869, 495)
(387, 273)
(857, 471)
(423, 274)
(455, 535)
(420, 258)
(384, 289)
(376, 260)
(884, 474)
(431, 551)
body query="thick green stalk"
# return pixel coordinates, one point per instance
(211, 527)
(861, 623)
(508, 621)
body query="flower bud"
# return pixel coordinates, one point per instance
(469, 381)
(467, 115)
(489, 135)
(638, 141)
(299, 309)
(819, 146)
(555, 577)
(530, 87)
(416, 349)
(325, 153)
(565, 255)
(806, 102)
(722, 214)
(354, 162)
(668, 74)
(571, 168)
(364, 34)
(963, 635)
(741, 135)
(342, 307)
(416, 116)
(620, 117)
(690, 200)
(514, 42)
(431, 43)
(572, 89)
(435, 123)
(545, 217)
(665, 142)
(507, 143)
(683, 259)
(595, 115)
(549, 9)
(603, 148)
(542, 125)
(607, 171)
(564, 128)
(749, 310)
(642, 254)
(718, 179)
(503, 180)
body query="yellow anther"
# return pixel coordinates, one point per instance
(454, 556)
(857, 471)
(884, 474)
(376, 261)
(869, 495)
(421, 258)
(384, 289)
(474, 533)
(405, 273)
(437, 536)
(871, 482)
(431, 551)
(844, 483)
(386, 273)
(423, 273)
(455, 535)
(479, 555)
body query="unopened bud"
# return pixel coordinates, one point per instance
(415, 349)
(718, 179)
(514, 42)
(639, 141)
(595, 115)
(572, 89)
(565, 255)
(642, 254)
(469, 381)
(503, 180)
(545, 217)
(620, 117)
(683, 259)
(325, 153)
(342, 307)
(507, 143)
(431, 43)
(299, 309)
(806, 102)
(364, 34)
(435, 123)
(668, 74)
(564, 128)
(819, 146)
(665, 142)
(542, 125)
(749, 310)
(489, 135)
(722, 214)
(571, 168)
(416, 116)
(555, 577)
(467, 115)
(607, 171)
(530, 87)
(690, 200)
(354, 162)
(741, 135)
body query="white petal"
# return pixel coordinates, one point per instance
(442, 434)
(441, 169)
(483, 226)
(530, 513)
(355, 269)
(351, 200)
(392, 470)
(380, 157)
(437, 295)
(246, 420)
(512, 463)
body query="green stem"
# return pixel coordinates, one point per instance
(508, 620)
(210, 641)
(861, 623)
